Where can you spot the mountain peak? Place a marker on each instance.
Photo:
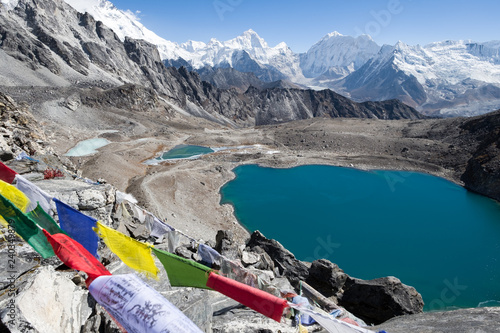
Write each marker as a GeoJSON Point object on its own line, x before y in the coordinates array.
{"type": "Point", "coordinates": [334, 34]}
{"type": "Point", "coordinates": [250, 32]}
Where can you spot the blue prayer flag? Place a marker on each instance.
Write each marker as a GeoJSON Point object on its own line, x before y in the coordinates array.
{"type": "Point", "coordinates": [78, 226]}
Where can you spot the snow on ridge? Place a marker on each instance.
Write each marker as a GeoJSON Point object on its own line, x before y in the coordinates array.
{"type": "Point", "coordinates": [338, 51]}
{"type": "Point", "coordinates": [10, 4]}
{"type": "Point", "coordinates": [125, 24]}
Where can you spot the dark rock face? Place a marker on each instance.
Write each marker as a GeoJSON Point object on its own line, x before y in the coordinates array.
{"type": "Point", "coordinates": [129, 96]}
{"type": "Point", "coordinates": [378, 300]}
{"type": "Point", "coordinates": [284, 261]}
{"type": "Point", "coordinates": [226, 78]}
{"type": "Point", "coordinates": [483, 169]}
{"type": "Point", "coordinates": [327, 278]}
{"type": "Point", "coordinates": [242, 62]}
{"type": "Point", "coordinates": [225, 244]}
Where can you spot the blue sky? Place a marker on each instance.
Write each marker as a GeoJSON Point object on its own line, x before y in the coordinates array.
{"type": "Point", "coordinates": [302, 23]}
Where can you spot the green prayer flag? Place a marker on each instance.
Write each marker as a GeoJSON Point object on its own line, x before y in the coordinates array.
{"type": "Point", "coordinates": [183, 272]}
{"type": "Point", "coordinates": [25, 227]}
{"type": "Point", "coordinates": [45, 220]}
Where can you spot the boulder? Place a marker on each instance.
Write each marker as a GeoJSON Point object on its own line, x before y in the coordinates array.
{"type": "Point", "coordinates": [225, 244]}
{"type": "Point", "coordinates": [265, 263]}
{"type": "Point", "coordinates": [249, 258]}
{"type": "Point", "coordinates": [47, 301]}
{"type": "Point", "coordinates": [327, 278]}
{"type": "Point", "coordinates": [378, 300]}
{"type": "Point", "coordinates": [285, 262]}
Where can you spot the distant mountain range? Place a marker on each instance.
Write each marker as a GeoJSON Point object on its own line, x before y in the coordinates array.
{"type": "Point", "coordinates": [445, 78]}
{"type": "Point", "coordinates": [48, 45]}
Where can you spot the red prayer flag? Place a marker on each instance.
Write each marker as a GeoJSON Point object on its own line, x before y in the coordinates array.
{"type": "Point", "coordinates": [7, 174]}
{"type": "Point", "coordinates": [74, 255]}
{"type": "Point", "coordinates": [256, 299]}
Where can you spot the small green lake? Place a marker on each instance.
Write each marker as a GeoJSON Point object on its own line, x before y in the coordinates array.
{"type": "Point", "coordinates": [427, 231]}
{"type": "Point", "coordinates": [181, 152]}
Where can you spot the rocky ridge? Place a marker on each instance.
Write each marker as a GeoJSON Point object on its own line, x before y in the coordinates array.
{"type": "Point", "coordinates": [73, 49]}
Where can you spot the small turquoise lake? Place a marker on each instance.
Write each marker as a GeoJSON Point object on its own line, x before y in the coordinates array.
{"type": "Point", "coordinates": [430, 233]}
{"type": "Point", "coordinates": [181, 152]}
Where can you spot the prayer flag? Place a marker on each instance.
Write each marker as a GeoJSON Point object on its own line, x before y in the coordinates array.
{"type": "Point", "coordinates": [157, 228]}
{"type": "Point", "coordinates": [25, 227]}
{"type": "Point", "coordinates": [138, 307]}
{"type": "Point", "coordinates": [44, 220]}
{"type": "Point", "coordinates": [11, 193]}
{"type": "Point", "coordinates": [258, 300]}
{"type": "Point", "coordinates": [7, 174]}
{"type": "Point", "coordinates": [133, 253]}
{"type": "Point", "coordinates": [34, 193]}
{"type": "Point", "coordinates": [74, 255]}
{"type": "Point", "coordinates": [183, 272]}
{"type": "Point", "coordinates": [209, 255]}
{"type": "Point", "coordinates": [329, 323]}
{"type": "Point", "coordinates": [78, 226]}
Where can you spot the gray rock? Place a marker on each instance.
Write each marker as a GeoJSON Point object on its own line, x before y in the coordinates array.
{"type": "Point", "coordinates": [244, 320]}
{"type": "Point", "coordinates": [284, 261]}
{"type": "Point", "coordinates": [378, 300]}
{"type": "Point", "coordinates": [49, 301]}
{"type": "Point", "coordinates": [265, 263]}
{"type": "Point", "coordinates": [477, 320]}
{"type": "Point", "coordinates": [196, 304]}
{"type": "Point", "coordinates": [225, 245]}
{"type": "Point", "coordinates": [327, 278]}
{"type": "Point", "coordinates": [248, 258]}
{"type": "Point", "coordinates": [93, 200]}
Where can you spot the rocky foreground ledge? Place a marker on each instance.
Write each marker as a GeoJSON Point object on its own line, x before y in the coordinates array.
{"type": "Point", "coordinates": [46, 296]}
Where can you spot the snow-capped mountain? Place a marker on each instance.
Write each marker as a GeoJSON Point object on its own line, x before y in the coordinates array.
{"type": "Point", "coordinates": [450, 76]}
{"type": "Point", "coordinates": [249, 47]}
{"type": "Point", "coordinates": [338, 55]}
{"type": "Point", "coordinates": [125, 24]}
{"type": "Point", "coordinates": [444, 78]}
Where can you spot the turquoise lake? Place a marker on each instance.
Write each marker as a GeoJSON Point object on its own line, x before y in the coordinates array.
{"type": "Point", "coordinates": [181, 152]}
{"type": "Point", "coordinates": [185, 151]}
{"type": "Point", "coordinates": [430, 233]}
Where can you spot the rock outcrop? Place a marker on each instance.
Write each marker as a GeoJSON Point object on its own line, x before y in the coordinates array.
{"type": "Point", "coordinates": [380, 299]}
{"type": "Point", "coordinates": [374, 301]}
{"type": "Point", "coordinates": [482, 174]}
{"type": "Point", "coordinates": [284, 261]}
{"type": "Point", "coordinates": [19, 130]}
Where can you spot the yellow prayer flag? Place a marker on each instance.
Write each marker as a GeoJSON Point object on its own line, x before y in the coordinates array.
{"type": "Point", "coordinates": [133, 253]}
{"type": "Point", "coordinates": [18, 198]}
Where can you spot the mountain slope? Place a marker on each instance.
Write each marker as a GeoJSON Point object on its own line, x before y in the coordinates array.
{"type": "Point", "coordinates": [59, 46]}
{"type": "Point", "coordinates": [445, 78]}
{"type": "Point", "coordinates": [439, 78]}
{"type": "Point", "coordinates": [337, 54]}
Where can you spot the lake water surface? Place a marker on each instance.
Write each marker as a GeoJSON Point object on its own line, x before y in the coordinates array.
{"type": "Point", "coordinates": [87, 147]}
{"type": "Point", "coordinates": [427, 231]}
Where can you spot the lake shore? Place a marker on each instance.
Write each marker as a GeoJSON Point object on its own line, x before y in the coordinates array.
{"type": "Point", "coordinates": [186, 192]}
